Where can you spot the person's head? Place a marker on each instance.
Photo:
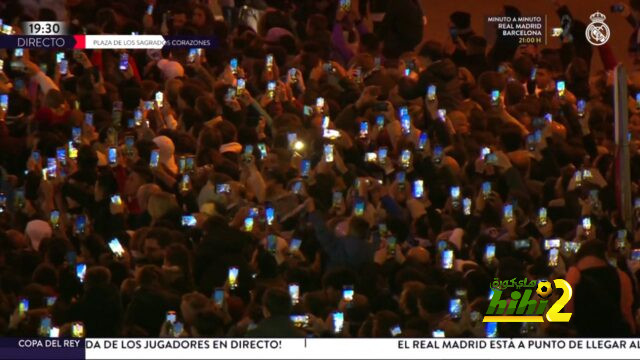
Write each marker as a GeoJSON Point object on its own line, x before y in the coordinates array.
{"type": "Point", "coordinates": [201, 16]}
{"type": "Point", "coordinates": [460, 122]}
{"type": "Point", "coordinates": [357, 311]}
{"type": "Point", "coordinates": [155, 243]}
{"type": "Point", "coordinates": [275, 179]}
{"type": "Point", "coordinates": [208, 323]}
{"type": "Point", "coordinates": [383, 323]}
{"type": "Point", "coordinates": [97, 276]}
{"type": "Point", "coordinates": [138, 177]}
{"type": "Point", "coordinates": [434, 301]}
{"type": "Point", "coordinates": [315, 302]}
{"type": "Point", "coordinates": [166, 149]}
{"type": "Point", "coordinates": [410, 297]}
{"type": "Point", "coordinates": [592, 248]}
{"type": "Point", "coordinates": [370, 44]}
{"type": "Point", "coordinates": [37, 231]}
{"type": "Point", "coordinates": [227, 130]}
{"type": "Point", "coordinates": [148, 276]}
{"type": "Point", "coordinates": [87, 158]}
{"type": "Point", "coordinates": [206, 106]}
{"type": "Point", "coordinates": [192, 305]}
{"type": "Point", "coordinates": [544, 75]}
{"type": "Point", "coordinates": [419, 255]}
{"type": "Point", "coordinates": [179, 18]}
{"type": "Point", "coordinates": [55, 101]}
{"type": "Point", "coordinates": [460, 20]}
{"type": "Point", "coordinates": [56, 250]}
{"type": "Point", "coordinates": [359, 228]}
{"type": "Point", "coordinates": [523, 65]}
{"type": "Point", "coordinates": [316, 24]}
{"type": "Point", "coordinates": [144, 192]}
{"type": "Point", "coordinates": [511, 139]}
{"type": "Point", "coordinates": [334, 281]}
{"type": "Point", "coordinates": [187, 96]}
{"type": "Point", "coordinates": [276, 302]}
{"type": "Point", "coordinates": [178, 255]}
{"type": "Point", "coordinates": [45, 275]}
{"type": "Point", "coordinates": [161, 204]}
{"type": "Point", "coordinates": [431, 51]}
{"type": "Point", "coordinates": [106, 185]}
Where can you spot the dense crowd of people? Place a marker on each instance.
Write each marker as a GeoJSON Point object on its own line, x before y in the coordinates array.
{"type": "Point", "coordinates": [327, 169]}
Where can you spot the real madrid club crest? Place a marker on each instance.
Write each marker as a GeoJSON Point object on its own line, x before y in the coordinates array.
{"type": "Point", "coordinates": [597, 32]}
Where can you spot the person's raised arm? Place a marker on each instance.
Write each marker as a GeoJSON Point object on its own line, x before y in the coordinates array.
{"type": "Point", "coordinates": [34, 71]}
{"type": "Point", "coordinates": [254, 179]}
{"type": "Point", "coordinates": [337, 37]}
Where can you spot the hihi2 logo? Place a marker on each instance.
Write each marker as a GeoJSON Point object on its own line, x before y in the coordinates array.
{"type": "Point", "coordinates": [522, 308]}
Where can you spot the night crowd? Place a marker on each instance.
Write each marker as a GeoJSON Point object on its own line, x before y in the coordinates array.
{"type": "Point", "coordinates": [327, 169]}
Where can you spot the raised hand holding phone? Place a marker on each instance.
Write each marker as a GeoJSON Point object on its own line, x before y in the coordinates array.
{"type": "Point", "coordinates": [368, 96]}
{"type": "Point", "coordinates": [116, 207]}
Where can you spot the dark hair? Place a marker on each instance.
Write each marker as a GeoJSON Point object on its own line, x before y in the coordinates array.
{"type": "Point", "coordinates": [45, 275]}
{"type": "Point", "coordinates": [143, 171]}
{"type": "Point", "coordinates": [359, 227]}
{"type": "Point", "coordinates": [107, 182]}
{"type": "Point", "coordinates": [144, 148]}
{"type": "Point", "coordinates": [511, 139]}
{"type": "Point", "coordinates": [148, 275]}
{"type": "Point", "coordinates": [370, 43]}
{"type": "Point", "coordinates": [277, 301]}
{"type": "Point", "coordinates": [545, 65]}
{"type": "Point", "coordinates": [209, 323]}
{"type": "Point", "coordinates": [206, 106]}
{"type": "Point", "coordinates": [227, 130]}
{"type": "Point", "coordinates": [97, 276]}
{"type": "Point", "coordinates": [267, 265]}
{"type": "Point", "coordinates": [288, 43]}
{"type": "Point", "coordinates": [592, 248]}
{"type": "Point", "coordinates": [337, 278]}
{"type": "Point", "coordinates": [434, 299]}
{"type": "Point", "coordinates": [178, 255]}
{"type": "Point", "coordinates": [87, 158]}
{"type": "Point", "coordinates": [432, 50]}
{"type": "Point", "coordinates": [189, 93]}
{"type": "Point", "coordinates": [161, 235]}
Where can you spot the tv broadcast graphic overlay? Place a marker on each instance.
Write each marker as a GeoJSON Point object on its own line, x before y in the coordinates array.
{"type": "Point", "coordinates": [523, 306]}
{"type": "Point", "coordinates": [524, 29]}
{"type": "Point", "coordinates": [334, 179]}
{"type": "Point", "coordinates": [42, 348]}
{"type": "Point", "coordinates": [416, 348]}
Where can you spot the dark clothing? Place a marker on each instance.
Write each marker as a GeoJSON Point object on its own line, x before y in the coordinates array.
{"type": "Point", "coordinates": [105, 223]}
{"type": "Point", "coordinates": [401, 29]}
{"type": "Point", "coordinates": [597, 304]}
{"type": "Point", "coordinates": [444, 75]}
{"type": "Point", "coordinates": [275, 326]}
{"type": "Point", "coordinates": [579, 47]}
{"type": "Point", "coordinates": [147, 310]}
{"type": "Point", "coordinates": [476, 64]}
{"type": "Point", "coordinates": [345, 251]}
{"type": "Point", "coordinates": [214, 256]}
{"type": "Point", "coordinates": [101, 311]}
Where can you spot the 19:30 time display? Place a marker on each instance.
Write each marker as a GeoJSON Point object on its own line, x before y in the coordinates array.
{"type": "Point", "coordinates": [44, 28]}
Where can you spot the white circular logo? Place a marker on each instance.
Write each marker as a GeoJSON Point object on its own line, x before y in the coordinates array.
{"type": "Point", "coordinates": [597, 32]}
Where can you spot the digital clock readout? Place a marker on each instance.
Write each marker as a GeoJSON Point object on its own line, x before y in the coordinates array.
{"type": "Point", "coordinates": [44, 28]}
